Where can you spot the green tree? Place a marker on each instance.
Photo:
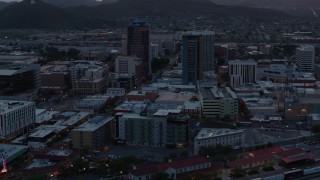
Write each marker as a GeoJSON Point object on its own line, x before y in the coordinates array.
{"type": "Point", "coordinates": [124, 164]}
{"type": "Point", "coordinates": [73, 54]}
{"type": "Point", "coordinates": [159, 63]}
{"type": "Point", "coordinates": [237, 173]}
{"type": "Point", "coordinates": [315, 128]}
{"type": "Point", "coordinates": [160, 176]}
{"type": "Point", "coordinates": [80, 164]}
{"type": "Point", "coordinates": [270, 144]}
{"type": "Point", "coordinates": [184, 154]}
{"type": "Point", "coordinates": [253, 170]}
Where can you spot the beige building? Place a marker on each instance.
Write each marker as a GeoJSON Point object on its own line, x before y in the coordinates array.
{"type": "Point", "coordinates": [93, 134]}
{"type": "Point", "coordinates": [86, 86]}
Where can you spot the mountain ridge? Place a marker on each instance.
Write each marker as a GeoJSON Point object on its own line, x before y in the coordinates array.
{"type": "Point", "coordinates": [43, 15]}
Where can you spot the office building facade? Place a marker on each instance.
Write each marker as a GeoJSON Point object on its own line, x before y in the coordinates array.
{"type": "Point", "coordinates": [93, 134]}
{"type": "Point", "coordinates": [305, 57]}
{"type": "Point", "coordinates": [242, 72]}
{"type": "Point", "coordinates": [19, 81]}
{"type": "Point", "coordinates": [128, 65]}
{"type": "Point", "coordinates": [218, 102]}
{"type": "Point", "coordinates": [138, 43]}
{"type": "Point", "coordinates": [198, 55]}
{"type": "Point", "coordinates": [16, 117]}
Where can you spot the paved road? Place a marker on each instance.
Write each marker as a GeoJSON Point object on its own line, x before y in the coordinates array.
{"type": "Point", "coordinates": [155, 154]}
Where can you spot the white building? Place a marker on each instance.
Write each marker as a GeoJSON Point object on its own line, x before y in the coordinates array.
{"type": "Point", "coordinates": [16, 117]}
{"type": "Point", "coordinates": [128, 65]}
{"type": "Point", "coordinates": [212, 137]}
{"type": "Point", "coordinates": [87, 69]}
{"type": "Point", "coordinates": [242, 72]}
{"type": "Point", "coordinates": [154, 51]}
{"type": "Point", "coordinates": [116, 92]}
{"type": "Point", "coordinates": [305, 58]}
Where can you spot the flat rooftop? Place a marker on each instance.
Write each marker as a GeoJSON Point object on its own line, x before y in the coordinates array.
{"type": "Point", "coordinates": [216, 132]}
{"type": "Point", "coordinates": [73, 119]}
{"type": "Point", "coordinates": [41, 133]}
{"type": "Point", "coordinates": [217, 93]}
{"type": "Point", "coordinates": [94, 124]}
{"type": "Point", "coordinates": [8, 106]}
{"type": "Point", "coordinates": [39, 163]}
{"type": "Point", "coordinates": [12, 151]}
{"type": "Point", "coordinates": [174, 97]}
{"type": "Point", "coordinates": [55, 128]}
{"type": "Point", "coordinates": [45, 116]}
{"type": "Point", "coordinates": [166, 112]}
{"type": "Point", "coordinates": [59, 152]}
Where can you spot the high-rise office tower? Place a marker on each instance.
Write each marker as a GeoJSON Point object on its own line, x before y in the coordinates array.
{"type": "Point", "coordinates": [305, 58]}
{"type": "Point", "coordinates": [198, 55]}
{"type": "Point", "coordinates": [138, 43]}
{"type": "Point", "coordinates": [242, 72]}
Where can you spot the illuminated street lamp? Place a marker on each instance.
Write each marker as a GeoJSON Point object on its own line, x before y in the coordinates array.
{"type": "Point", "coordinates": [4, 164]}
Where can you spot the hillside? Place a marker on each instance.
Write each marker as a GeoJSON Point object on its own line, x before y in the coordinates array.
{"type": "Point", "coordinates": [72, 3]}
{"type": "Point", "coordinates": [27, 14]}
{"type": "Point", "coordinates": [176, 8]}
{"type": "Point", "coordinates": [271, 3]}
{"type": "Point", "coordinates": [41, 15]}
{"type": "Point", "coordinates": [4, 5]}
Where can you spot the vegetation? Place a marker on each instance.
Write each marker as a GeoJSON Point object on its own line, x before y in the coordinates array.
{"type": "Point", "coordinates": [124, 164]}
{"type": "Point", "coordinates": [218, 153]}
{"type": "Point", "coordinates": [254, 170]}
{"type": "Point", "coordinates": [198, 175]}
{"type": "Point", "coordinates": [184, 154]}
{"type": "Point", "coordinates": [268, 166]}
{"type": "Point", "coordinates": [159, 63]}
{"type": "Point", "coordinates": [161, 176]}
{"type": "Point", "coordinates": [53, 54]}
{"type": "Point", "coordinates": [315, 128]}
{"type": "Point", "coordinates": [237, 173]}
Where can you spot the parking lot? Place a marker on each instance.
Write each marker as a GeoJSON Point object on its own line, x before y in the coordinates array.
{"type": "Point", "coordinates": [256, 136]}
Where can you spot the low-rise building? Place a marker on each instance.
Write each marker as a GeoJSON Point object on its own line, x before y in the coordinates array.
{"type": "Point", "coordinates": [55, 77]}
{"type": "Point", "coordinates": [173, 168]}
{"type": "Point", "coordinates": [92, 104]}
{"type": "Point", "coordinates": [9, 152]}
{"type": "Point", "coordinates": [218, 102]}
{"type": "Point", "coordinates": [93, 134]}
{"type": "Point", "coordinates": [251, 161]}
{"type": "Point", "coordinates": [116, 92]}
{"type": "Point", "coordinates": [212, 137]}
{"type": "Point", "coordinates": [40, 138]}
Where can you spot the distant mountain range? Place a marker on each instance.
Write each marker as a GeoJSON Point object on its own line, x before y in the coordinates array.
{"type": "Point", "coordinates": [4, 5]}
{"type": "Point", "coordinates": [299, 8]}
{"type": "Point", "coordinates": [39, 14]}
{"type": "Point", "coordinates": [72, 3]}
{"type": "Point", "coordinates": [271, 3]}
